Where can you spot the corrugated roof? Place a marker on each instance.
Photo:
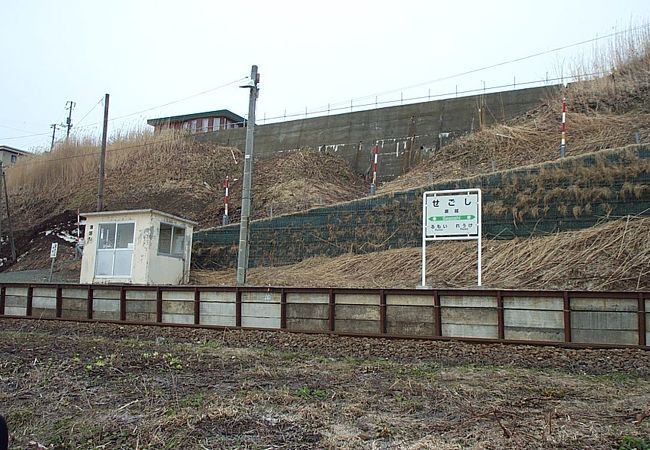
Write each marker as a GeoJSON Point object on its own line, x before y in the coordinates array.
{"type": "Point", "coordinates": [202, 115]}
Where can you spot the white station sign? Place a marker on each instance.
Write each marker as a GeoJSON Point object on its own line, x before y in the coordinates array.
{"type": "Point", "coordinates": [451, 215]}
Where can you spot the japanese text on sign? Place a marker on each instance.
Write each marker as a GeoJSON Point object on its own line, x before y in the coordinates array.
{"type": "Point", "coordinates": [452, 215]}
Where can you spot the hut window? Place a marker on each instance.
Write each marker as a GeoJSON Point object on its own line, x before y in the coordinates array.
{"type": "Point", "coordinates": [171, 240]}
{"type": "Point", "coordinates": [115, 249]}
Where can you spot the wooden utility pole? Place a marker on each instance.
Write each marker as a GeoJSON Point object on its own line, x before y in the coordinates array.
{"type": "Point", "coordinates": [102, 159]}
{"type": "Point", "coordinates": [53, 126]}
{"type": "Point", "coordinates": [69, 105]}
{"type": "Point", "coordinates": [244, 233]}
{"type": "Point", "coordinates": [11, 229]}
{"type": "Point", "coordinates": [1, 183]}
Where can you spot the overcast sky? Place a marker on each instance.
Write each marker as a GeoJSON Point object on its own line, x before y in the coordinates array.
{"type": "Point", "coordinates": [148, 53]}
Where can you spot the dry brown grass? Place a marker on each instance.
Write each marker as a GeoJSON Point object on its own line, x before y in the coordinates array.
{"type": "Point", "coordinates": [142, 171]}
{"type": "Point", "coordinates": [78, 159]}
{"type": "Point", "coordinates": [611, 256]}
{"type": "Point", "coordinates": [603, 112]}
{"type": "Point", "coordinates": [626, 61]}
{"type": "Point", "coordinates": [175, 174]}
{"type": "Point", "coordinates": [530, 140]}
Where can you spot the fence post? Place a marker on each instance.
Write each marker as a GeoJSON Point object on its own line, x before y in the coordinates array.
{"type": "Point", "coordinates": [59, 301]}
{"type": "Point", "coordinates": [197, 306]}
{"type": "Point", "coordinates": [642, 327]}
{"type": "Point", "coordinates": [331, 313]}
{"type": "Point", "coordinates": [567, 316]}
{"type": "Point", "coordinates": [159, 305]}
{"type": "Point", "coordinates": [30, 301]}
{"type": "Point", "coordinates": [437, 314]}
{"type": "Point", "coordinates": [3, 297]}
{"type": "Point", "coordinates": [283, 309]}
{"type": "Point", "coordinates": [238, 307]}
{"type": "Point", "coordinates": [122, 304]}
{"type": "Point", "coordinates": [500, 317]}
{"type": "Point", "coordinates": [382, 312]}
{"type": "Point", "coordinates": [89, 304]}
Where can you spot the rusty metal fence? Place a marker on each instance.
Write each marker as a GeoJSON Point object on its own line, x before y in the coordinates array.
{"type": "Point", "coordinates": [566, 318]}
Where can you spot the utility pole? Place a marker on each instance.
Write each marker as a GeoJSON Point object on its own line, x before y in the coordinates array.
{"type": "Point", "coordinates": [102, 159]}
{"type": "Point", "coordinates": [53, 126]}
{"type": "Point", "coordinates": [1, 183]}
{"type": "Point", "coordinates": [244, 232]}
{"type": "Point", "coordinates": [11, 229]}
{"type": "Point", "coordinates": [69, 105]}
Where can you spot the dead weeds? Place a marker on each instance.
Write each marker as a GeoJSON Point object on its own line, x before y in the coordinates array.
{"type": "Point", "coordinates": [611, 256]}
{"type": "Point", "coordinates": [67, 385]}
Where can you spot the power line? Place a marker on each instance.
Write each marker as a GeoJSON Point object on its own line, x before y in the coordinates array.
{"type": "Point", "coordinates": [12, 128]}
{"type": "Point", "coordinates": [315, 113]}
{"type": "Point", "coordinates": [503, 63]}
{"type": "Point", "coordinates": [179, 100]}
{"type": "Point", "coordinates": [134, 113]}
{"type": "Point", "coordinates": [91, 110]}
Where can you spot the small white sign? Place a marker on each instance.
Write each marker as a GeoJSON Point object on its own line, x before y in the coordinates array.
{"type": "Point", "coordinates": [54, 250]}
{"type": "Point", "coordinates": [450, 215]}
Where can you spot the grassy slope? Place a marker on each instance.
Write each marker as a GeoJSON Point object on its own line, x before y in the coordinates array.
{"type": "Point", "coordinates": [176, 175]}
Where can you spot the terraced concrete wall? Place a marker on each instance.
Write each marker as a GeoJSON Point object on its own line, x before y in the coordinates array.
{"type": "Point", "coordinates": [400, 131]}
{"type": "Point", "coordinates": [568, 194]}
{"type": "Point", "coordinates": [594, 318]}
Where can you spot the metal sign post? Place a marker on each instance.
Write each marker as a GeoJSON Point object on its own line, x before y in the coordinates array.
{"type": "Point", "coordinates": [53, 251]}
{"type": "Point", "coordinates": [449, 216]}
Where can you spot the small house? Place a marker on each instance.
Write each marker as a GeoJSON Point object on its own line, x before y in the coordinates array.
{"type": "Point", "coordinates": [9, 155]}
{"type": "Point", "coordinates": [142, 246]}
{"type": "Point", "coordinates": [199, 122]}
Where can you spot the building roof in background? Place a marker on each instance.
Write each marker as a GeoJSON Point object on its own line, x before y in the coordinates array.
{"type": "Point", "coordinates": [14, 150]}
{"type": "Point", "coordinates": [218, 113]}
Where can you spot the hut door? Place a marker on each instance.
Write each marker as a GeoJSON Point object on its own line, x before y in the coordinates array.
{"type": "Point", "coordinates": [115, 249]}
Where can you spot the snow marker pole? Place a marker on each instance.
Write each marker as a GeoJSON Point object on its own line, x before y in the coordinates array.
{"type": "Point", "coordinates": [226, 186]}
{"type": "Point", "coordinates": [563, 129]}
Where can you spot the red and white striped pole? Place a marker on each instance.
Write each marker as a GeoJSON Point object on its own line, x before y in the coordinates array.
{"type": "Point", "coordinates": [375, 160]}
{"type": "Point", "coordinates": [226, 200]}
{"type": "Point", "coordinates": [563, 129]}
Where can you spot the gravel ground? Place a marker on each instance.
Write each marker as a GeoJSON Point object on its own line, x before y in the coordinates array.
{"type": "Point", "coordinates": [581, 361]}
{"type": "Point", "coordinates": [79, 385]}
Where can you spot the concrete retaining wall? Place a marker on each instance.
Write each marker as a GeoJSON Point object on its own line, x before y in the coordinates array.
{"type": "Point", "coordinates": [400, 131]}
{"type": "Point", "coordinates": [598, 318]}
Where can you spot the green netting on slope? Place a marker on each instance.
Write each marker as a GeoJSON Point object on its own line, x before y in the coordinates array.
{"type": "Point", "coordinates": [563, 195]}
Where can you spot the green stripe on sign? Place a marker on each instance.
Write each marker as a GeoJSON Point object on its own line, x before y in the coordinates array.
{"type": "Point", "coordinates": [448, 218]}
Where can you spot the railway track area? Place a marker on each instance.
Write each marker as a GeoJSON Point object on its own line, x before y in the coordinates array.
{"type": "Point", "coordinates": [98, 385]}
